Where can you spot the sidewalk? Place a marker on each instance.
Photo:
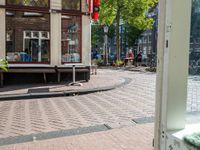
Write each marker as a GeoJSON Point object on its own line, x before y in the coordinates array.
{"type": "Point", "coordinates": [99, 82]}
{"type": "Point", "coordinates": [138, 137]}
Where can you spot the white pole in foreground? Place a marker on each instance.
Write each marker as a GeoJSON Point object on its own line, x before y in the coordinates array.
{"type": "Point", "coordinates": [74, 83]}
{"type": "Point", "coordinates": [173, 57]}
{"type": "Point", "coordinates": [74, 74]}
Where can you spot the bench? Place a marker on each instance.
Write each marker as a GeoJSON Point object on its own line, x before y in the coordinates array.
{"type": "Point", "coordinates": [44, 70]}
{"type": "Point", "coordinates": [27, 70]}
{"type": "Point", "coordinates": [84, 70]}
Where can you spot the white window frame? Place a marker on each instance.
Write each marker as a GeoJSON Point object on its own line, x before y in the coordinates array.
{"type": "Point", "coordinates": [39, 38]}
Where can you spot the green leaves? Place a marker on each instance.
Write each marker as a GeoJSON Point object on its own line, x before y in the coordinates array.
{"type": "Point", "coordinates": [107, 12]}
{"type": "Point", "coordinates": [133, 12]}
{"type": "Point", "coordinates": [3, 64]}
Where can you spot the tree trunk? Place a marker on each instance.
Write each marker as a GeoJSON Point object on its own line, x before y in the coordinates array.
{"type": "Point", "coordinates": [117, 33]}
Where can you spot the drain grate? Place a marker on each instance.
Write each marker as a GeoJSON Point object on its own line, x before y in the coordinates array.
{"type": "Point", "coordinates": [38, 90]}
{"type": "Point", "coordinates": [143, 120]}
{"type": "Point", "coordinates": [51, 135]}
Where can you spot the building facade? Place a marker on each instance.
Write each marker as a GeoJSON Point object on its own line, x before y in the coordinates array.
{"type": "Point", "coordinates": [147, 42]}
{"type": "Point", "coordinates": [45, 33]}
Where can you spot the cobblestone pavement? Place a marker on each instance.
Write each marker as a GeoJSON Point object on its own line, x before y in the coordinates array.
{"type": "Point", "coordinates": [134, 100]}
{"type": "Point", "coordinates": [116, 108]}
{"type": "Point", "coordinates": [138, 137]}
{"type": "Point", "coordinates": [193, 104]}
{"type": "Point", "coordinates": [97, 81]}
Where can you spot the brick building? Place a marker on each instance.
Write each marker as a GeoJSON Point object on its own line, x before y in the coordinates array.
{"type": "Point", "coordinates": [147, 42]}
{"type": "Point", "coordinates": [43, 36]}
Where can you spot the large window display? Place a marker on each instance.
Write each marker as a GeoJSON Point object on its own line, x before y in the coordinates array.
{"type": "Point", "coordinates": [33, 3]}
{"type": "Point", "coordinates": [71, 4]}
{"type": "Point", "coordinates": [71, 39]}
{"type": "Point", "coordinates": [194, 61]}
{"type": "Point", "coordinates": [27, 37]}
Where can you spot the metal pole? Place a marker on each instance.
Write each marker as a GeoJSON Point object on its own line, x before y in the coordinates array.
{"type": "Point", "coordinates": [106, 45]}
{"type": "Point", "coordinates": [74, 83]}
{"type": "Point", "coordinates": [106, 49]}
{"type": "Point", "coordinates": [74, 74]}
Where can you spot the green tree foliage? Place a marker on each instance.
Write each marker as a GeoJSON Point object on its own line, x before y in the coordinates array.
{"type": "Point", "coordinates": [98, 33]}
{"type": "Point", "coordinates": [132, 33]}
{"type": "Point", "coordinates": [3, 64]}
{"type": "Point", "coordinates": [133, 12]}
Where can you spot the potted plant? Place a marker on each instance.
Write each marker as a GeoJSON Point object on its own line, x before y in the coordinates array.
{"type": "Point", "coordinates": [3, 65]}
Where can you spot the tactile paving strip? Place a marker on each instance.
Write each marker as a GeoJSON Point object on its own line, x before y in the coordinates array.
{"type": "Point", "coordinates": [143, 120]}
{"type": "Point", "coordinates": [51, 135]}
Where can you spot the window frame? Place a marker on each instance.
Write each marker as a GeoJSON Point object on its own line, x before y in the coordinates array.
{"type": "Point", "coordinates": [36, 11]}
{"type": "Point", "coordinates": [31, 8]}
{"type": "Point", "coordinates": [77, 15]}
{"type": "Point", "coordinates": [72, 10]}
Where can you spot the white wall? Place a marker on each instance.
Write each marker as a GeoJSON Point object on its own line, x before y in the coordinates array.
{"type": "Point", "coordinates": [56, 33]}
{"type": "Point", "coordinates": [56, 4]}
{"type": "Point", "coordinates": [172, 68]}
{"type": "Point", "coordinates": [86, 37]}
{"type": "Point", "coordinates": [83, 6]}
{"type": "Point", "coordinates": [159, 76]}
{"type": "Point", "coordinates": [176, 58]}
{"type": "Point", "coordinates": [55, 39]}
{"type": "Point", "coordinates": [86, 41]}
{"type": "Point", "coordinates": [2, 2]}
{"type": "Point", "coordinates": [2, 33]}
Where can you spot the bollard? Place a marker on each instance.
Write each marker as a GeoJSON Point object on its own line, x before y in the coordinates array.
{"type": "Point", "coordinates": [74, 83]}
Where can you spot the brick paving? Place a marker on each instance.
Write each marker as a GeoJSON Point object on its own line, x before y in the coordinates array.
{"type": "Point", "coordinates": [132, 101]}
{"type": "Point", "coordinates": [193, 94]}
{"type": "Point", "coordinates": [138, 137]}
{"type": "Point", "coordinates": [116, 108]}
{"type": "Point", "coordinates": [97, 81]}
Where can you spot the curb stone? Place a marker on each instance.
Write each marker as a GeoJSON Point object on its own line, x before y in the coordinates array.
{"type": "Point", "coordinates": [62, 94]}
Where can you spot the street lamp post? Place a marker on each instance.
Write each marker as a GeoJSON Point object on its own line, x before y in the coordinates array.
{"type": "Point", "coordinates": [106, 45]}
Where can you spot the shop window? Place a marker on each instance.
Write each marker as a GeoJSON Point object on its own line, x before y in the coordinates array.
{"type": "Point", "coordinates": [33, 3]}
{"type": "Point", "coordinates": [194, 65]}
{"type": "Point", "coordinates": [71, 39]}
{"type": "Point", "coordinates": [71, 4]}
{"type": "Point", "coordinates": [27, 37]}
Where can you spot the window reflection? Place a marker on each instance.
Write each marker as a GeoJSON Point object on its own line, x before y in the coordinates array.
{"type": "Point", "coordinates": [27, 37]}
{"type": "Point", "coordinates": [71, 4]}
{"type": "Point", "coordinates": [71, 35]}
{"type": "Point", "coordinates": [193, 100]}
{"type": "Point", "coordinates": [34, 3]}
{"type": "Point", "coordinates": [194, 62]}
